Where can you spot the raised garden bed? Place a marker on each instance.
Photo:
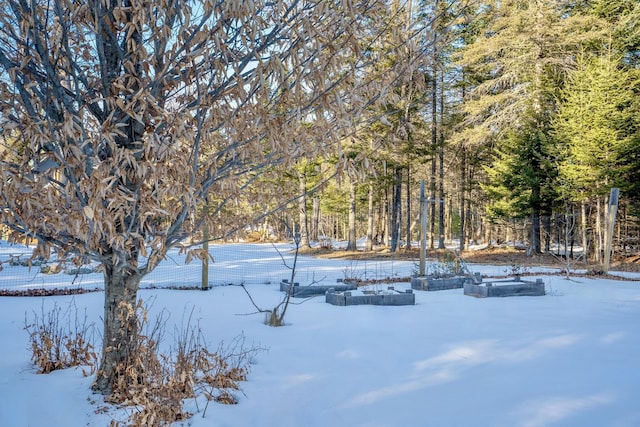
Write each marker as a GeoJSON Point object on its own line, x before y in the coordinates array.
{"type": "Point", "coordinates": [311, 290]}
{"type": "Point", "coordinates": [505, 288]}
{"type": "Point", "coordinates": [428, 283]}
{"type": "Point", "coordinates": [388, 297]}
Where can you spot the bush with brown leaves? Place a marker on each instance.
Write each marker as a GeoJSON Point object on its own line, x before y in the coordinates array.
{"type": "Point", "coordinates": [61, 339]}
{"type": "Point", "coordinates": [155, 384]}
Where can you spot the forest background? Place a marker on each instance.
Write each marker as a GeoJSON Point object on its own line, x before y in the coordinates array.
{"type": "Point", "coordinates": [520, 118]}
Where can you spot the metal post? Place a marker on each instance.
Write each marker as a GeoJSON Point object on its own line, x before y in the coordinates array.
{"type": "Point", "coordinates": [205, 248]}
{"type": "Point", "coordinates": [611, 220]}
{"type": "Point", "coordinates": [423, 229]}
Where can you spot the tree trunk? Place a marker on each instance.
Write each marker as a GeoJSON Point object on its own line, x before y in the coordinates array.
{"type": "Point", "coordinates": [120, 338]}
{"type": "Point", "coordinates": [408, 211]}
{"type": "Point", "coordinates": [574, 226]}
{"type": "Point", "coordinates": [547, 233]}
{"type": "Point", "coordinates": [302, 211]}
{"type": "Point", "coordinates": [449, 221]}
{"type": "Point", "coordinates": [441, 204]}
{"type": "Point", "coordinates": [465, 231]}
{"type": "Point", "coordinates": [388, 217]}
{"type": "Point", "coordinates": [380, 221]}
{"type": "Point", "coordinates": [315, 219]}
{"type": "Point", "coordinates": [441, 215]}
{"type": "Point", "coordinates": [434, 126]}
{"type": "Point", "coordinates": [534, 244]}
{"type": "Point", "coordinates": [535, 200]}
{"type": "Point", "coordinates": [369, 244]}
{"type": "Point", "coordinates": [463, 186]}
{"type": "Point", "coordinates": [598, 236]}
{"type": "Point", "coordinates": [585, 238]}
{"type": "Point", "coordinates": [488, 236]}
{"type": "Point", "coordinates": [432, 204]}
{"type": "Point", "coordinates": [351, 239]}
{"type": "Point", "coordinates": [395, 211]}
{"type": "Point", "coordinates": [559, 225]}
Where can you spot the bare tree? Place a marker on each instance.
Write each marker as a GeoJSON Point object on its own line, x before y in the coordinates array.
{"type": "Point", "coordinates": [275, 316]}
{"type": "Point", "coordinates": [126, 114]}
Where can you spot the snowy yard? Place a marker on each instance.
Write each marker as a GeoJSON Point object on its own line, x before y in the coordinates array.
{"type": "Point", "coordinates": [569, 358]}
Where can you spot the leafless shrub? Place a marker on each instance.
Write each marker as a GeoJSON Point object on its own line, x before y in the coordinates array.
{"type": "Point", "coordinates": [223, 370]}
{"type": "Point", "coordinates": [352, 273]}
{"type": "Point", "coordinates": [325, 243]}
{"type": "Point", "coordinates": [448, 264]}
{"type": "Point", "coordinates": [275, 316]}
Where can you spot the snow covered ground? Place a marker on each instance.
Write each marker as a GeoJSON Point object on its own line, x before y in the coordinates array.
{"type": "Point", "coordinates": [569, 358]}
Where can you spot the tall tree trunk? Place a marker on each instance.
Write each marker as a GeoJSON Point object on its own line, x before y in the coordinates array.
{"type": "Point", "coordinates": [572, 236]}
{"type": "Point", "coordinates": [535, 201]}
{"type": "Point", "coordinates": [449, 221]}
{"type": "Point", "coordinates": [463, 183]}
{"type": "Point", "coordinates": [585, 238]}
{"type": "Point", "coordinates": [351, 239]}
{"type": "Point", "coordinates": [120, 339]}
{"type": "Point", "coordinates": [441, 213]}
{"type": "Point", "coordinates": [547, 233]}
{"type": "Point", "coordinates": [599, 237]}
{"type": "Point", "coordinates": [487, 232]}
{"type": "Point", "coordinates": [315, 218]}
{"type": "Point", "coordinates": [559, 223]}
{"type": "Point", "coordinates": [432, 199]}
{"type": "Point", "coordinates": [463, 187]}
{"type": "Point", "coordinates": [441, 204]}
{"type": "Point", "coordinates": [468, 223]}
{"type": "Point", "coordinates": [478, 224]}
{"type": "Point", "coordinates": [408, 88]}
{"type": "Point", "coordinates": [369, 244]}
{"type": "Point", "coordinates": [396, 210]}
{"type": "Point", "coordinates": [388, 216]}
{"type": "Point", "coordinates": [408, 211]}
{"type": "Point", "coordinates": [434, 125]}
{"type": "Point", "coordinates": [302, 211]}
{"type": "Point", "coordinates": [534, 244]}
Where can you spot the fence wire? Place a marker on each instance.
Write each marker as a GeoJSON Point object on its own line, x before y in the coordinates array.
{"type": "Point", "coordinates": [234, 264]}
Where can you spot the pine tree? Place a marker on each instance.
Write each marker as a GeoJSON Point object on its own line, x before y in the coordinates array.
{"type": "Point", "coordinates": [593, 125]}
{"type": "Point", "coordinates": [624, 16]}
{"type": "Point", "coordinates": [522, 57]}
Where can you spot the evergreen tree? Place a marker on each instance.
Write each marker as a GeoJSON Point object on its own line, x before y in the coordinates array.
{"type": "Point", "coordinates": [624, 41]}
{"type": "Point", "coordinates": [522, 57]}
{"type": "Point", "coordinates": [624, 16]}
{"type": "Point", "coordinates": [598, 125]}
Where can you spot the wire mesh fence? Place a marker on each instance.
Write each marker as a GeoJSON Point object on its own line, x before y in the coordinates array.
{"type": "Point", "coordinates": [233, 264]}
{"type": "Point", "coordinates": [19, 272]}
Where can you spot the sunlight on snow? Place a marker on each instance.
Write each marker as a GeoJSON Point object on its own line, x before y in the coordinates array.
{"type": "Point", "coordinates": [292, 381]}
{"type": "Point", "coordinates": [449, 365]}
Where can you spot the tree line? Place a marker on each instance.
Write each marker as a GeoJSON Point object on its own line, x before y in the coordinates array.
{"type": "Point", "coordinates": [520, 116]}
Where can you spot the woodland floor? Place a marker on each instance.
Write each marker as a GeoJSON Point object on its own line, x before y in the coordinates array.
{"type": "Point", "coordinates": [491, 255]}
